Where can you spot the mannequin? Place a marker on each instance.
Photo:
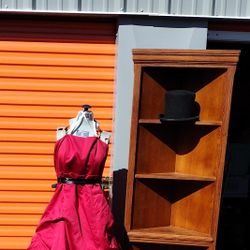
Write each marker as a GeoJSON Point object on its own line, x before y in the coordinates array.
{"type": "Point", "coordinates": [84, 125]}
{"type": "Point", "coordinates": [78, 216]}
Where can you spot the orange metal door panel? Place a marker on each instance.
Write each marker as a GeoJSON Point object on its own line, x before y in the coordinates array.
{"type": "Point", "coordinates": [17, 243]}
{"type": "Point", "coordinates": [24, 196]}
{"type": "Point", "coordinates": [46, 111]}
{"type": "Point", "coordinates": [22, 208]}
{"type": "Point", "coordinates": [57, 47]}
{"type": "Point", "coordinates": [56, 72]}
{"type": "Point", "coordinates": [27, 135]}
{"type": "Point", "coordinates": [59, 85]}
{"type": "Point", "coordinates": [16, 230]}
{"type": "Point", "coordinates": [26, 185]}
{"type": "Point", "coordinates": [57, 59]}
{"type": "Point", "coordinates": [26, 147]}
{"type": "Point", "coordinates": [60, 99]}
{"type": "Point", "coordinates": [27, 173]}
{"type": "Point", "coordinates": [40, 123]}
{"type": "Point", "coordinates": [31, 160]}
{"type": "Point", "coordinates": [48, 69]}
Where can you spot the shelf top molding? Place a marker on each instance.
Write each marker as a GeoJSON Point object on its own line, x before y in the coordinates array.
{"type": "Point", "coordinates": [218, 58]}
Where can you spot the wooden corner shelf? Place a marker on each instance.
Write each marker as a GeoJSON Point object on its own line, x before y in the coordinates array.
{"type": "Point", "coordinates": [175, 176]}
{"type": "Point", "coordinates": [175, 170]}
{"type": "Point", "coordinates": [170, 235]}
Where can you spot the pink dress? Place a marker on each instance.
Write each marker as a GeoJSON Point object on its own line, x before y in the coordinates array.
{"type": "Point", "coordinates": [78, 217]}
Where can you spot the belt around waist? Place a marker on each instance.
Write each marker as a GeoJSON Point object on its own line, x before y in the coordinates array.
{"type": "Point", "coordinates": [78, 181]}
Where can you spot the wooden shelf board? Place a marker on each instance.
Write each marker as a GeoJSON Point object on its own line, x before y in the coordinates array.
{"type": "Point", "coordinates": [201, 123]}
{"type": "Point", "coordinates": [175, 176]}
{"type": "Point", "coordinates": [170, 235]}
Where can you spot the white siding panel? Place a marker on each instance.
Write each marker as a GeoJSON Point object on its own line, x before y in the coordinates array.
{"type": "Point", "coordinates": [24, 4]}
{"type": "Point", "coordinates": [115, 5]}
{"type": "Point", "coordinates": [191, 7]}
{"type": "Point", "coordinates": [16, 4]}
{"type": "Point", "coordinates": [131, 6]}
{"type": "Point", "coordinates": [9, 4]}
{"type": "Point", "coordinates": [86, 5]}
{"type": "Point", "coordinates": [100, 5]}
{"type": "Point", "coordinates": [187, 7]}
{"type": "Point", "coordinates": [204, 7]}
{"type": "Point", "coordinates": [145, 6]}
{"type": "Point", "coordinates": [41, 5]}
{"type": "Point", "coordinates": [227, 7]}
{"type": "Point", "coordinates": [161, 6]}
{"type": "Point", "coordinates": [55, 5]}
{"type": "Point", "coordinates": [71, 5]}
{"type": "Point", "coordinates": [210, 8]}
{"type": "Point", "coordinates": [245, 8]}
{"type": "Point", "coordinates": [235, 8]}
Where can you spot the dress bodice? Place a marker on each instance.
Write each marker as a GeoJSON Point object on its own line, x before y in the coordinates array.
{"type": "Point", "coordinates": [80, 157]}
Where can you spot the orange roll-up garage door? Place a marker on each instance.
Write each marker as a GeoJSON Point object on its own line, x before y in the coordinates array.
{"type": "Point", "coordinates": [48, 69]}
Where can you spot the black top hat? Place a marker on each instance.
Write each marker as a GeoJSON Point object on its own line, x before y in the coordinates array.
{"type": "Point", "coordinates": [180, 106]}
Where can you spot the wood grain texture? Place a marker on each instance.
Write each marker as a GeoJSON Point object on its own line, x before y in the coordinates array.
{"type": "Point", "coordinates": [132, 151]}
{"type": "Point", "coordinates": [157, 121]}
{"type": "Point", "coordinates": [175, 176]}
{"type": "Point", "coordinates": [173, 235]}
{"type": "Point", "coordinates": [186, 58]}
{"type": "Point", "coordinates": [176, 170]}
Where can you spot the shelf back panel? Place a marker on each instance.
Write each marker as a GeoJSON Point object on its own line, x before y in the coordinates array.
{"type": "Point", "coordinates": [153, 153]}
{"type": "Point", "coordinates": [185, 149]}
{"type": "Point", "coordinates": [173, 203]}
{"type": "Point", "coordinates": [157, 81]}
{"type": "Point", "coordinates": [152, 97]}
{"type": "Point", "coordinates": [199, 151]}
{"type": "Point", "coordinates": [194, 211]}
{"type": "Point", "coordinates": [151, 206]}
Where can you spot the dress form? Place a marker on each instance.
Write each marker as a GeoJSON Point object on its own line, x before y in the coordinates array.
{"type": "Point", "coordinates": [78, 216]}
{"type": "Point", "coordinates": [84, 125]}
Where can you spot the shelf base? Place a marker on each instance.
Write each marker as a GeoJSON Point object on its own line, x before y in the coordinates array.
{"type": "Point", "coordinates": [170, 235]}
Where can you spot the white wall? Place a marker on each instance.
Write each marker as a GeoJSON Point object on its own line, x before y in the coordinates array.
{"type": "Point", "coordinates": [144, 33]}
